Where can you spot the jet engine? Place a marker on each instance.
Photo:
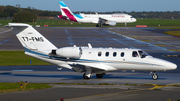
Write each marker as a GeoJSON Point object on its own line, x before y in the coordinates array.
{"type": "Point", "coordinates": [111, 23]}
{"type": "Point", "coordinates": [68, 52]}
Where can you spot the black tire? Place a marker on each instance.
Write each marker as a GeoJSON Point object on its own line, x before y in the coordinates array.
{"type": "Point", "coordinates": [155, 76]}
{"type": "Point", "coordinates": [99, 75]}
{"type": "Point", "coordinates": [85, 77]}
{"type": "Point", "coordinates": [97, 25]}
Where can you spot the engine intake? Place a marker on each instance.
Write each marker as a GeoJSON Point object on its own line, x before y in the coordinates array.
{"type": "Point", "coordinates": [68, 52]}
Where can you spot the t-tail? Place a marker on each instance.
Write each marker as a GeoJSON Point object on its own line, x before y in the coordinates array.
{"type": "Point", "coordinates": [67, 14]}
{"type": "Point", "coordinates": [35, 44]}
{"type": "Point", "coordinates": [30, 38]}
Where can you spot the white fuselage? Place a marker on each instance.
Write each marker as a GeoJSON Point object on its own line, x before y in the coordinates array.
{"type": "Point", "coordinates": [118, 18]}
{"type": "Point", "coordinates": [111, 60]}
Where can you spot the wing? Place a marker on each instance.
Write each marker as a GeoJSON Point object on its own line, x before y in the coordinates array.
{"type": "Point", "coordinates": [106, 22]}
{"type": "Point", "coordinates": [102, 20]}
{"type": "Point", "coordinates": [96, 68]}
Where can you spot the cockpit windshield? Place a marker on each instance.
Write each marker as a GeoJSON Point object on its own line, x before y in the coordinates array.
{"type": "Point", "coordinates": [143, 54]}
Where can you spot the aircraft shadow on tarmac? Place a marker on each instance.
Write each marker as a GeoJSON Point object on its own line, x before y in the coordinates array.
{"type": "Point", "coordinates": [78, 77]}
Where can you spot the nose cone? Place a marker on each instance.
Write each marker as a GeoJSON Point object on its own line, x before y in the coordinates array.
{"type": "Point", "coordinates": [171, 66]}
{"type": "Point", "coordinates": [133, 20]}
{"type": "Point", "coordinates": [165, 65]}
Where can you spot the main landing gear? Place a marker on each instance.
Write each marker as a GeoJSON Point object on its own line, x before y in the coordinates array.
{"type": "Point", "coordinates": [101, 25]}
{"type": "Point", "coordinates": [100, 75]}
{"type": "Point", "coordinates": [85, 76]}
{"type": "Point", "coordinates": [155, 76]}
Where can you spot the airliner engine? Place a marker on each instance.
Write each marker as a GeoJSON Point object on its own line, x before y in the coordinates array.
{"type": "Point", "coordinates": [69, 52]}
{"type": "Point", "coordinates": [111, 23]}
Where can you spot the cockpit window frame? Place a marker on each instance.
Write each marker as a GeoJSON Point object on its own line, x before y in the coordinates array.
{"type": "Point", "coordinates": [143, 54]}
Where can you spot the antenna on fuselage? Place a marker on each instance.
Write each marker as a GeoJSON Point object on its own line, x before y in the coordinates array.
{"type": "Point", "coordinates": [89, 45]}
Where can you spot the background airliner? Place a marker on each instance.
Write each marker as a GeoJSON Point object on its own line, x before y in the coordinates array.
{"type": "Point", "coordinates": [88, 60]}
{"type": "Point", "coordinates": [102, 19]}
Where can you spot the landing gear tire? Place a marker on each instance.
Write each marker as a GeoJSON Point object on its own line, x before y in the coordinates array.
{"type": "Point", "coordinates": [97, 25]}
{"type": "Point", "coordinates": [155, 76]}
{"type": "Point", "coordinates": [101, 25]}
{"type": "Point", "coordinates": [99, 75]}
{"type": "Point", "coordinates": [86, 77]}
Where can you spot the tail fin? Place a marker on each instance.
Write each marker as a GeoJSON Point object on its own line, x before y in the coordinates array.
{"type": "Point", "coordinates": [66, 11]}
{"type": "Point", "coordinates": [30, 38]}
{"type": "Point", "coordinates": [63, 5]}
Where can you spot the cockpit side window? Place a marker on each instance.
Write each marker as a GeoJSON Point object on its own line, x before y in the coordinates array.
{"type": "Point", "coordinates": [143, 54]}
{"type": "Point", "coordinates": [135, 54]}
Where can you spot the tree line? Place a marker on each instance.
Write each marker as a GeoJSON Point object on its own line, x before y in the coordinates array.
{"type": "Point", "coordinates": [11, 11]}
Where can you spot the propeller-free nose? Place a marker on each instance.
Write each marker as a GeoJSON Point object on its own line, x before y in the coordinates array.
{"type": "Point", "coordinates": [170, 66]}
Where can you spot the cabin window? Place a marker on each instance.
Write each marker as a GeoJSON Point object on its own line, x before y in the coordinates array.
{"type": "Point", "coordinates": [107, 54]}
{"type": "Point", "coordinates": [99, 53]}
{"type": "Point", "coordinates": [135, 54]}
{"type": "Point", "coordinates": [114, 54]}
{"type": "Point", "coordinates": [142, 54]}
{"type": "Point", "coordinates": [122, 54]}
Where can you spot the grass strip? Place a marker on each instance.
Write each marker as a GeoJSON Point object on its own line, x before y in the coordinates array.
{"type": "Point", "coordinates": [16, 87]}
{"type": "Point", "coordinates": [174, 33]}
{"type": "Point", "coordinates": [18, 58]}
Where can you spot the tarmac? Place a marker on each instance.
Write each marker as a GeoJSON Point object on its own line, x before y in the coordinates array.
{"type": "Point", "coordinates": [149, 39]}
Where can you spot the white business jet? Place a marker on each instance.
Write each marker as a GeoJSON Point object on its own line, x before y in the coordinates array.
{"type": "Point", "coordinates": [88, 60]}
{"type": "Point", "coordinates": [102, 19]}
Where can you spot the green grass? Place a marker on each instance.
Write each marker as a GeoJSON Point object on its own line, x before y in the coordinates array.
{"type": "Point", "coordinates": [174, 33]}
{"type": "Point", "coordinates": [15, 87]}
{"type": "Point", "coordinates": [18, 58]}
{"type": "Point", "coordinates": [65, 23]}
{"type": "Point", "coordinates": [156, 22]}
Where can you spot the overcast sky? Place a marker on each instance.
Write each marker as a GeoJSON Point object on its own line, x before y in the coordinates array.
{"type": "Point", "coordinates": [99, 5]}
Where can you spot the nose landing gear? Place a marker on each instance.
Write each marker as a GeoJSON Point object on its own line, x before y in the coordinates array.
{"type": "Point", "coordinates": [155, 76]}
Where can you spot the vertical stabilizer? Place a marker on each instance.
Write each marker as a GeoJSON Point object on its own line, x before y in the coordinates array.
{"type": "Point", "coordinates": [30, 38]}
{"type": "Point", "coordinates": [63, 5]}
{"type": "Point", "coordinates": [66, 11]}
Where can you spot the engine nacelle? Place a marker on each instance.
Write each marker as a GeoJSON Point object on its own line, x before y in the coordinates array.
{"type": "Point", "coordinates": [111, 23]}
{"type": "Point", "coordinates": [69, 52]}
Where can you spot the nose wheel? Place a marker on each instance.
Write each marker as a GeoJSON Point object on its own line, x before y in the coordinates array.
{"type": "Point", "coordinates": [155, 76]}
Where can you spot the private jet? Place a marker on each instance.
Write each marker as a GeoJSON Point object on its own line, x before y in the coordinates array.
{"type": "Point", "coordinates": [88, 60]}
